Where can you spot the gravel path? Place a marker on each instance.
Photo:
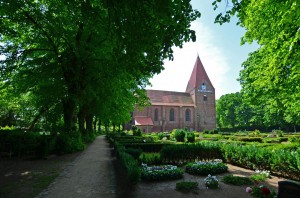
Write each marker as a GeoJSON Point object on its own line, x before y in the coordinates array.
{"type": "Point", "coordinates": [90, 175]}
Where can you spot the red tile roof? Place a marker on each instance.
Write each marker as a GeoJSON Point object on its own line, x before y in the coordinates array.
{"type": "Point", "coordinates": [198, 76]}
{"type": "Point", "coordinates": [170, 98]}
{"type": "Point", "coordinates": [143, 121]}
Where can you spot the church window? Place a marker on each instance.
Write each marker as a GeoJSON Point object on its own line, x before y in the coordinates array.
{"type": "Point", "coordinates": [172, 115]}
{"type": "Point", "coordinates": [204, 98]}
{"type": "Point", "coordinates": [156, 115]}
{"type": "Point", "coordinates": [188, 115]}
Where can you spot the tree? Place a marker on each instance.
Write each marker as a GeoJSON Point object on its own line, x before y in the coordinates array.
{"type": "Point", "coordinates": [70, 55]}
{"type": "Point", "coordinates": [270, 75]}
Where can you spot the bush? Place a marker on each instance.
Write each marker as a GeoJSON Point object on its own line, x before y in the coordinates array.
{"type": "Point", "coordinates": [133, 170]}
{"type": "Point", "coordinates": [250, 139]}
{"type": "Point", "coordinates": [190, 137]}
{"type": "Point", "coordinates": [205, 168]}
{"type": "Point", "coordinates": [135, 152]}
{"type": "Point", "coordinates": [237, 180]}
{"type": "Point", "coordinates": [178, 153]}
{"type": "Point", "coordinates": [160, 173]}
{"type": "Point", "coordinates": [214, 131]}
{"type": "Point", "coordinates": [186, 187]}
{"type": "Point", "coordinates": [137, 132]}
{"type": "Point", "coordinates": [205, 131]}
{"type": "Point", "coordinates": [150, 158]}
{"type": "Point", "coordinates": [69, 142]}
{"type": "Point", "coordinates": [179, 135]}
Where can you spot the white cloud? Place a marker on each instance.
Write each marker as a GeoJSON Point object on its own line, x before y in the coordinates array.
{"type": "Point", "coordinates": [177, 73]}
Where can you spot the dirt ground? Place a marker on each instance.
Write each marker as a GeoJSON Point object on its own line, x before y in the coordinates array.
{"type": "Point", "coordinates": [27, 178]}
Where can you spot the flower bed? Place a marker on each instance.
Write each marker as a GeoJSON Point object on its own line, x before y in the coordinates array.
{"type": "Point", "coordinates": [211, 182]}
{"type": "Point", "coordinates": [160, 173]}
{"type": "Point", "coordinates": [205, 168]}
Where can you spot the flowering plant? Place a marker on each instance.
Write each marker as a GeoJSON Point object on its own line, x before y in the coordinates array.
{"type": "Point", "coordinates": [158, 173]}
{"type": "Point", "coordinates": [203, 168]}
{"type": "Point", "coordinates": [211, 182]}
{"type": "Point", "coordinates": [260, 175]}
{"type": "Point", "coordinates": [261, 192]}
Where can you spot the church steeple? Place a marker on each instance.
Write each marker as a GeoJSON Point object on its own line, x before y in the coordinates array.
{"type": "Point", "coordinates": [199, 78]}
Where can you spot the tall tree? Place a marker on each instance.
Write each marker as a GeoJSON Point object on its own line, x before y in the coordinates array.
{"type": "Point", "coordinates": [70, 53]}
{"type": "Point", "coordinates": [271, 74]}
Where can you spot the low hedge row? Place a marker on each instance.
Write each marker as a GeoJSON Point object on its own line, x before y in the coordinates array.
{"type": "Point", "coordinates": [128, 162]}
{"type": "Point", "coordinates": [20, 143]}
{"type": "Point", "coordinates": [152, 147]}
{"type": "Point", "coordinates": [201, 151]}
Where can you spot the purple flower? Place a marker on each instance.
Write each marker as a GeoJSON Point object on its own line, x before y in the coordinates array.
{"type": "Point", "coordinates": [248, 190]}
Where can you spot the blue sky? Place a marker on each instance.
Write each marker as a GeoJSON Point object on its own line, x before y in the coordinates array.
{"type": "Point", "coordinates": [219, 50]}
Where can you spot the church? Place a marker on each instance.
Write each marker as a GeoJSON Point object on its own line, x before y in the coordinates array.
{"type": "Point", "coordinates": [194, 109]}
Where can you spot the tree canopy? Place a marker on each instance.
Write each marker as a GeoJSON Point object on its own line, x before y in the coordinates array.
{"type": "Point", "coordinates": [84, 58]}
{"type": "Point", "coordinates": [270, 75]}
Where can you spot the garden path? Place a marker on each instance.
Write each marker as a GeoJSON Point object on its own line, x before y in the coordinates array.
{"type": "Point", "coordinates": [91, 174]}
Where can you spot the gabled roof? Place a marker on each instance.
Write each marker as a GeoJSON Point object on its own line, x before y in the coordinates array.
{"type": "Point", "coordinates": [198, 76]}
{"type": "Point", "coordinates": [170, 98]}
{"type": "Point", "coordinates": [143, 121]}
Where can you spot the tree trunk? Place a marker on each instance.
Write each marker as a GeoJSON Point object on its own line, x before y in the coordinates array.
{"type": "Point", "coordinates": [69, 108]}
{"type": "Point", "coordinates": [81, 116]}
{"type": "Point", "coordinates": [99, 125]}
{"type": "Point", "coordinates": [89, 123]}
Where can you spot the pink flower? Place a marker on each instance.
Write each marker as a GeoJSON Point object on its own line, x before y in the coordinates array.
{"type": "Point", "coordinates": [248, 190]}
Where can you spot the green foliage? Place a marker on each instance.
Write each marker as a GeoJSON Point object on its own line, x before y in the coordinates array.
{"type": "Point", "coordinates": [262, 192]}
{"type": "Point", "coordinates": [130, 165]}
{"type": "Point", "coordinates": [237, 180]}
{"type": "Point", "coordinates": [150, 158]}
{"type": "Point", "coordinates": [161, 173]}
{"type": "Point", "coordinates": [250, 139]}
{"type": "Point", "coordinates": [134, 152]}
{"type": "Point", "coordinates": [205, 168]}
{"type": "Point", "coordinates": [186, 187]}
{"type": "Point", "coordinates": [211, 182]}
{"type": "Point", "coordinates": [179, 135]}
{"type": "Point", "coordinates": [294, 139]}
{"type": "Point", "coordinates": [190, 152]}
{"type": "Point", "coordinates": [214, 131]}
{"type": "Point", "coordinates": [190, 137]}
{"type": "Point", "coordinates": [205, 131]}
{"type": "Point", "coordinates": [69, 142]}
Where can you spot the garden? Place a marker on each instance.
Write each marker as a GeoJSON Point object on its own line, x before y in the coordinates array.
{"type": "Point", "coordinates": [201, 159]}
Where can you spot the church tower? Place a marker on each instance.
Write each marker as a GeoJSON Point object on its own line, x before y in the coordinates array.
{"type": "Point", "coordinates": [203, 94]}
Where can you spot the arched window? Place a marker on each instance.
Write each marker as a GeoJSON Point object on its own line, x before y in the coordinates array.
{"type": "Point", "coordinates": [204, 98]}
{"type": "Point", "coordinates": [188, 115]}
{"type": "Point", "coordinates": [172, 115]}
{"type": "Point", "coordinates": [156, 115]}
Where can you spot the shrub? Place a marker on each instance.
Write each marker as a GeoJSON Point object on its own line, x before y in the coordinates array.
{"type": "Point", "coordinates": [178, 153]}
{"type": "Point", "coordinates": [135, 152]}
{"type": "Point", "coordinates": [186, 186]}
{"type": "Point", "coordinates": [160, 173]}
{"type": "Point", "coordinates": [237, 180]}
{"type": "Point", "coordinates": [205, 168]}
{"type": "Point", "coordinates": [250, 139]}
{"type": "Point", "coordinates": [150, 158]}
{"type": "Point", "coordinates": [179, 135]}
{"type": "Point", "coordinates": [190, 137]}
{"type": "Point", "coordinates": [69, 142]}
{"type": "Point", "coordinates": [133, 170]}
{"type": "Point", "coordinates": [214, 131]}
{"type": "Point", "coordinates": [211, 182]}
{"type": "Point", "coordinates": [205, 131]}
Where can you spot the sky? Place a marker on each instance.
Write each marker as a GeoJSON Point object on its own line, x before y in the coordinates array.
{"type": "Point", "coordinates": [219, 50]}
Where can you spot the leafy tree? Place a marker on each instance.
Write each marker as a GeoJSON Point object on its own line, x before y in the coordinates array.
{"type": "Point", "coordinates": [270, 75]}
{"type": "Point", "coordinates": [86, 58]}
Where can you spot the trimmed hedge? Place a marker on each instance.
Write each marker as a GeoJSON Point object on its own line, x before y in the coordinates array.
{"type": "Point", "coordinates": [133, 170]}
{"type": "Point", "coordinates": [202, 151]}
{"type": "Point", "coordinates": [152, 147]}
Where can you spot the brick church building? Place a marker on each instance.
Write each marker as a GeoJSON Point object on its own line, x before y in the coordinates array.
{"type": "Point", "coordinates": [194, 109]}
